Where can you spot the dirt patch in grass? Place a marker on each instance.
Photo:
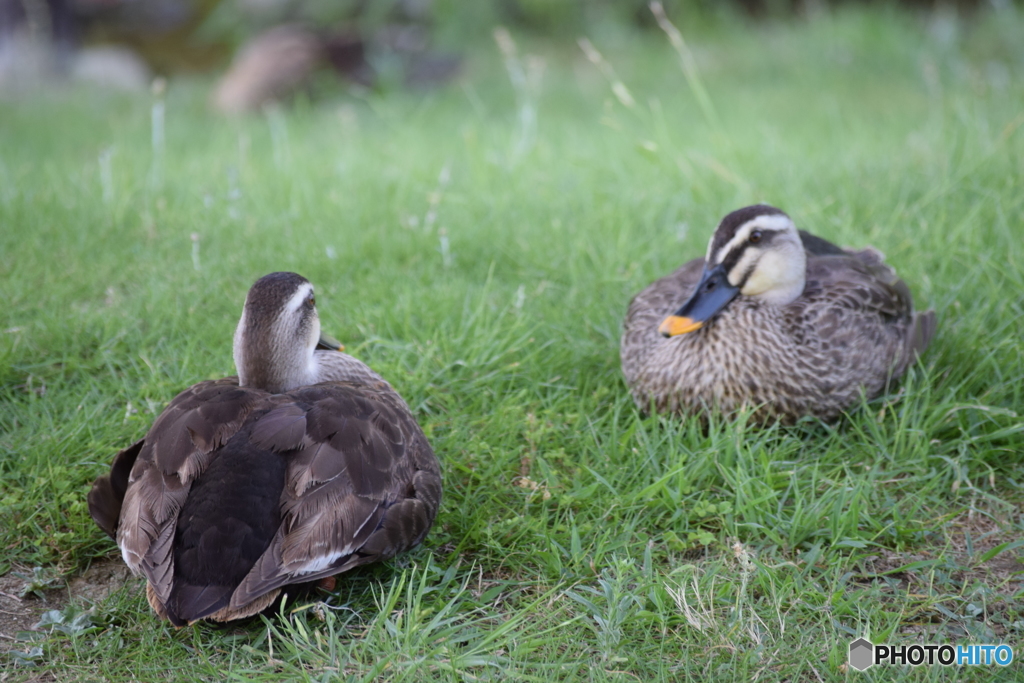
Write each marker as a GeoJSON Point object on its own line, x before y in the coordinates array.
{"type": "Point", "coordinates": [945, 579]}
{"type": "Point", "coordinates": [968, 539]}
{"type": "Point", "coordinates": [19, 613]}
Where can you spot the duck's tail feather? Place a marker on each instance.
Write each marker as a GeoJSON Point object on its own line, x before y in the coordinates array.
{"type": "Point", "coordinates": [925, 325]}
{"type": "Point", "coordinates": [107, 493]}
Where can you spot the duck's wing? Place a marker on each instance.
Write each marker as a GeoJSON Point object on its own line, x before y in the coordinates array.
{"type": "Point", "coordinates": [861, 282]}
{"type": "Point", "coordinates": [818, 246]}
{"type": "Point", "coordinates": [361, 484]}
{"type": "Point", "coordinates": [176, 450]}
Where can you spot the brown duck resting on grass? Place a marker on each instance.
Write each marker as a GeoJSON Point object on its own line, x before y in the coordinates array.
{"type": "Point", "coordinates": [774, 319]}
{"type": "Point", "coordinates": [304, 466]}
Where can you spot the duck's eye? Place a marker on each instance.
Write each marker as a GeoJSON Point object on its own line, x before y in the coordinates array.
{"type": "Point", "coordinates": [755, 237]}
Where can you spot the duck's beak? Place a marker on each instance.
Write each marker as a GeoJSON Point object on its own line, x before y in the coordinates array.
{"type": "Point", "coordinates": [329, 343]}
{"type": "Point", "coordinates": [713, 293]}
{"type": "Point", "coordinates": [678, 324]}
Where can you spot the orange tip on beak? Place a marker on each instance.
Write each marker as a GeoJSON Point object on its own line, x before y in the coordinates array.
{"type": "Point", "coordinates": [328, 343]}
{"type": "Point", "coordinates": [675, 325]}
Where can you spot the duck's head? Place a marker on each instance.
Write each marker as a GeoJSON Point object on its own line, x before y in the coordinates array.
{"type": "Point", "coordinates": [278, 333]}
{"type": "Point", "coordinates": [755, 252]}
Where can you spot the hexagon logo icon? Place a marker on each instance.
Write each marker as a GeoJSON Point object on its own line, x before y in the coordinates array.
{"type": "Point", "coordinates": [862, 654]}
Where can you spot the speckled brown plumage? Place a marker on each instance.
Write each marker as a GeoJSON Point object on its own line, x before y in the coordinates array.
{"type": "Point", "coordinates": [236, 492]}
{"type": "Point", "coordinates": [853, 330]}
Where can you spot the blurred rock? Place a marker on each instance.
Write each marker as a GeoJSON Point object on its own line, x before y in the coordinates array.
{"type": "Point", "coordinates": [431, 69]}
{"type": "Point", "coordinates": [115, 68]}
{"type": "Point", "coordinates": [403, 38]}
{"type": "Point", "coordinates": [270, 66]}
{"type": "Point", "coordinates": [26, 62]}
{"type": "Point", "coordinates": [35, 39]}
{"type": "Point", "coordinates": [38, 48]}
{"type": "Point", "coordinates": [43, 19]}
{"type": "Point", "coordinates": [421, 67]}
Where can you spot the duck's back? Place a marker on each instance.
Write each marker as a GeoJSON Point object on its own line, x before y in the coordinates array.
{"type": "Point", "coordinates": [225, 525]}
{"type": "Point", "coordinates": [235, 492]}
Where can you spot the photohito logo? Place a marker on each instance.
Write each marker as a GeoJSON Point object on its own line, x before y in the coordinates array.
{"type": "Point", "coordinates": [864, 654]}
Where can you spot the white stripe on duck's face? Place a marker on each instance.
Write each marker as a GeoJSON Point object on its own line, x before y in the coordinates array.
{"type": "Point", "coordinates": [765, 259]}
{"type": "Point", "coordinates": [302, 295]}
{"type": "Point", "coordinates": [277, 334]}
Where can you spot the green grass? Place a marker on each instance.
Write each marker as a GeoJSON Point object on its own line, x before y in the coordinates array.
{"type": "Point", "coordinates": [484, 267]}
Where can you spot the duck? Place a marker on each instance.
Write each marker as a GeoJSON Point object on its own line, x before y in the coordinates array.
{"type": "Point", "coordinates": [304, 465]}
{"type": "Point", "coordinates": [773, 319]}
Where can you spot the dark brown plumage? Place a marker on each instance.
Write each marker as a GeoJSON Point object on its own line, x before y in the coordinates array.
{"type": "Point", "coordinates": [236, 492]}
{"type": "Point", "coordinates": [846, 326]}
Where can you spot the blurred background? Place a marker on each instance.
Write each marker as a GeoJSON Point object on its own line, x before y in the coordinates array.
{"type": "Point", "coordinates": [264, 50]}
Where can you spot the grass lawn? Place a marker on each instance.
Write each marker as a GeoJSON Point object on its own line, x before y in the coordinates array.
{"type": "Point", "coordinates": [478, 247]}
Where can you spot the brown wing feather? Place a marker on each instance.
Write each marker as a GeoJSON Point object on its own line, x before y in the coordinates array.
{"type": "Point", "coordinates": [853, 285]}
{"type": "Point", "coordinates": [865, 299]}
{"type": "Point", "coordinates": [282, 429]}
{"type": "Point", "coordinates": [361, 482]}
{"type": "Point", "coordinates": [364, 488]}
{"type": "Point", "coordinates": [176, 450]}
